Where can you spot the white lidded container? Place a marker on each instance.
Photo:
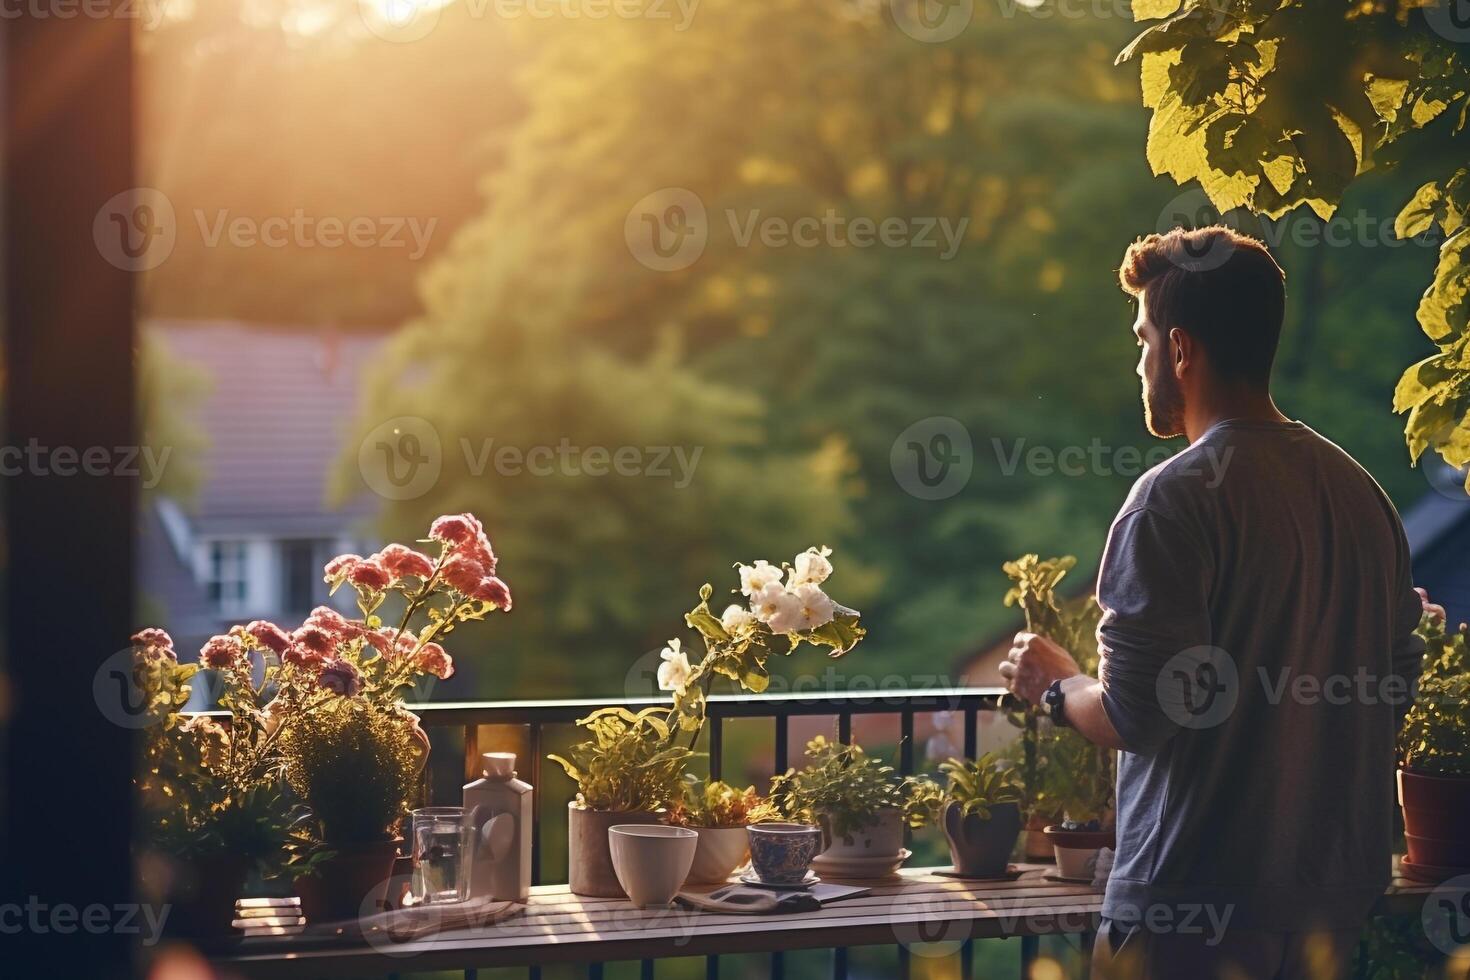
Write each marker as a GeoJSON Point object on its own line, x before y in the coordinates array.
{"type": "Point", "coordinates": [498, 806]}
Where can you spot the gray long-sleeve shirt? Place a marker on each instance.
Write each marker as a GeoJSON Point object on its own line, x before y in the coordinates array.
{"type": "Point", "coordinates": [1258, 650]}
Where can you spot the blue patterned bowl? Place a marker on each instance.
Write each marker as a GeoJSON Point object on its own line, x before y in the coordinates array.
{"type": "Point", "coordinates": [780, 853]}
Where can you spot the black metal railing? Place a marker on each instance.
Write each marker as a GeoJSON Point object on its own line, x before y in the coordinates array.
{"type": "Point", "coordinates": [441, 721]}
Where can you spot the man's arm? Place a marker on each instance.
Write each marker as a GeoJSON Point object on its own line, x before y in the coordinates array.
{"type": "Point", "coordinates": [1035, 662]}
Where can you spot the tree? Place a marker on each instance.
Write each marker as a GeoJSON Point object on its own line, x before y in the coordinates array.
{"type": "Point", "coordinates": [1274, 105]}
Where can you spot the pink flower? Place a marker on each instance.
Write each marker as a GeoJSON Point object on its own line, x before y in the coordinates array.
{"type": "Point", "coordinates": [222, 652]}
{"type": "Point", "coordinates": [338, 568]}
{"type": "Point", "coordinates": [405, 644]}
{"type": "Point", "coordinates": [480, 551]}
{"type": "Point", "coordinates": [340, 676]}
{"type": "Point", "coordinates": [369, 574]}
{"type": "Point", "coordinates": [491, 589]}
{"type": "Point", "coordinates": [455, 529]}
{"type": "Point", "coordinates": [316, 641]}
{"type": "Point", "coordinates": [331, 621]}
{"type": "Point", "coordinates": [1435, 610]}
{"type": "Point", "coordinates": [154, 644]}
{"type": "Point", "coordinates": [463, 574]}
{"type": "Point", "coordinates": [402, 562]}
{"type": "Point", "coordinates": [269, 635]}
{"type": "Point", "coordinates": [381, 639]}
{"type": "Point", "coordinates": [433, 660]}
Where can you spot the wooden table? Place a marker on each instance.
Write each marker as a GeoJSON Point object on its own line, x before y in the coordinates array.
{"type": "Point", "coordinates": [917, 907]}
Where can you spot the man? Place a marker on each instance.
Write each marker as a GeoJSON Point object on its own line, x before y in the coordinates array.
{"type": "Point", "coordinates": [1257, 649]}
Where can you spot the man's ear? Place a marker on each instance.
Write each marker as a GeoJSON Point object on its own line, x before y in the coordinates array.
{"type": "Point", "coordinates": [1181, 351]}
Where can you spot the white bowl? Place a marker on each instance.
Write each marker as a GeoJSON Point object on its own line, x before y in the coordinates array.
{"type": "Point", "coordinates": [651, 860]}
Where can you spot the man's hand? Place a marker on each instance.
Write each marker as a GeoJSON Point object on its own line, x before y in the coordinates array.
{"type": "Point", "coordinates": [1034, 662]}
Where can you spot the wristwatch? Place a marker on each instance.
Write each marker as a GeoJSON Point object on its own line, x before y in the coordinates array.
{"type": "Point", "coordinates": [1055, 704]}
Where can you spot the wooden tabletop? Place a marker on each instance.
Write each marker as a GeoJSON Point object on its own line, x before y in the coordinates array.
{"type": "Point", "coordinates": [916, 907]}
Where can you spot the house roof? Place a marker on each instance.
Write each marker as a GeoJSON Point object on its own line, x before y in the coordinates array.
{"type": "Point", "coordinates": [277, 415]}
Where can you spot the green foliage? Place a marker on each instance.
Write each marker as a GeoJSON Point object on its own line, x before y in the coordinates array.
{"type": "Point", "coordinates": [718, 804]}
{"type": "Point", "coordinates": [844, 789]}
{"type": "Point", "coordinates": [355, 767]}
{"type": "Point", "coordinates": [977, 785]}
{"type": "Point", "coordinates": [1065, 774]}
{"type": "Point", "coordinates": [1435, 738]}
{"type": "Point", "coordinates": [1397, 949]}
{"type": "Point", "coordinates": [631, 762]}
{"type": "Point", "coordinates": [1273, 105]}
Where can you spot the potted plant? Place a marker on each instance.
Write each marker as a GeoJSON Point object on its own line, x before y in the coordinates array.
{"type": "Point", "coordinates": [1079, 785]}
{"type": "Point", "coordinates": [859, 802]}
{"type": "Point", "coordinates": [633, 765]}
{"type": "Point", "coordinates": [719, 814]}
{"type": "Point", "coordinates": [1045, 753]}
{"type": "Point", "coordinates": [979, 810]}
{"type": "Point", "coordinates": [1434, 757]}
{"type": "Point", "coordinates": [356, 768]}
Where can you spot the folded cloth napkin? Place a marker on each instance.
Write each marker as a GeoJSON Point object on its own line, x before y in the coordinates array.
{"type": "Point", "coordinates": [744, 900]}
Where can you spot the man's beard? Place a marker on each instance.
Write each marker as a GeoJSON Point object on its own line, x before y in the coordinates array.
{"type": "Point", "coordinates": [1163, 406]}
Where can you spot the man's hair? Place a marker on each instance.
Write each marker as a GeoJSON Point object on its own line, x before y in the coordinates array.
{"type": "Point", "coordinates": [1221, 287]}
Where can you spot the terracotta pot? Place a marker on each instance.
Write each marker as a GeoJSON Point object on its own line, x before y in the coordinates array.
{"type": "Point", "coordinates": [352, 882]}
{"type": "Point", "coordinates": [202, 893]}
{"type": "Point", "coordinates": [1036, 846]}
{"type": "Point", "coordinates": [720, 851]}
{"type": "Point", "coordinates": [882, 837]}
{"type": "Point", "coordinates": [978, 846]}
{"type": "Point", "coordinates": [1436, 820]}
{"type": "Point", "coordinates": [1076, 850]}
{"type": "Point", "coordinates": [589, 858]}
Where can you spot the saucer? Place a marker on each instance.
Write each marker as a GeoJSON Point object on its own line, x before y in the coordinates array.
{"type": "Point", "coordinates": [749, 878]}
{"type": "Point", "coordinates": [1058, 876]}
{"type": "Point", "coordinates": [861, 868]}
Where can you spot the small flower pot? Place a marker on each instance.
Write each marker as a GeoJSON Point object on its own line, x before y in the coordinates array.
{"type": "Point", "coordinates": [880, 838]}
{"type": "Point", "coordinates": [1076, 850]}
{"type": "Point", "coordinates": [719, 852]}
{"type": "Point", "coordinates": [351, 883]}
{"type": "Point", "coordinates": [1036, 847]}
{"type": "Point", "coordinates": [202, 894]}
{"type": "Point", "coordinates": [1436, 825]}
{"type": "Point", "coordinates": [651, 861]}
{"type": "Point", "coordinates": [980, 847]}
{"type": "Point", "coordinates": [589, 858]}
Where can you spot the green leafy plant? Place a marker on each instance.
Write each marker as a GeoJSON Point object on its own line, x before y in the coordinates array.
{"type": "Point", "coordinates": [976, 785]}
{"type": "Point", "coordinates": [1435, 737]}
{"type": "Point", "coordinates": [630, 763]}
{"type": "Point", "coordinates": [718, 804]}
{"type": "Point", "coordinates": [1066, 776]}
{"type": "Point", "coordinates": [355, 766]}
{"type": "Point", "coordinates": [844, 789]}
{"type": "Point", "coordinates": [1271, 105]}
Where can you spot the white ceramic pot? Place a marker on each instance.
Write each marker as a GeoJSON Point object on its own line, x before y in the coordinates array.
{"type": "Point", "coordinates": [1076, 862]}
{"type": "Point", "coordinates": [651, 861]}
{"type": "Point", "coordinates": [720, 851]}
{"type": "Point", "coordinates": [883, 837]}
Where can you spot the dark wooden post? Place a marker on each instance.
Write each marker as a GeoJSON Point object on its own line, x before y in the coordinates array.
{"type": "Point", "coordinates": [68, 380]}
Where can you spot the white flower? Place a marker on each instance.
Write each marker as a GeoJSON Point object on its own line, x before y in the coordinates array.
{"type": "Point", "coordinates": [772, 604]}
{"type": "Point", "coordinates": [754, 578]}
{"type": "Point", "coordinates": [811, 567]}
{"type": "Point", "coordinates": [736, 619]}
{"type": "Point", "coordinates": [813, 609]}
{"type": "Point", "coordinates": [673, 673]}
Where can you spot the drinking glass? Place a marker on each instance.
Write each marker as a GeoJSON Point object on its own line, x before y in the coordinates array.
{"type": "Point", "coordinates": [442, 855]}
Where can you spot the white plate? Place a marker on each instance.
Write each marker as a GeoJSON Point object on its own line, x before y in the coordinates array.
{"type": "Point", "coordinates": [867, 867]}
{"type": "Point", "coordinates": [750, 878]}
